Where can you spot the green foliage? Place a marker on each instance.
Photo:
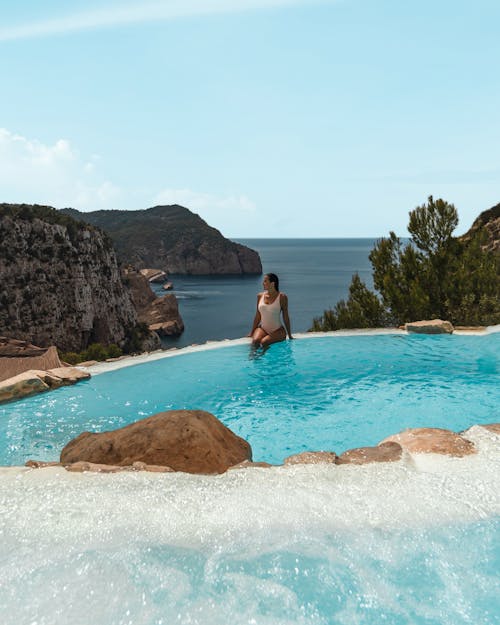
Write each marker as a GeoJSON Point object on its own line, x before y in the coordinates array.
{"type": "Point", "coordinates": [134, 338]}
{"type": "Point", "coordinates": [72, 358]}
{"type": "Point", "coordinates": [434, 275]}
{"type": "Point", "coordinates": [95, 351]}
{"type": "Point", "coordinates": [363, 309]}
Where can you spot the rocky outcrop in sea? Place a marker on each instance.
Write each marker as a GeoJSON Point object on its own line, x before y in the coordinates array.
{"type": "Point", "coordinates": [160, 314]}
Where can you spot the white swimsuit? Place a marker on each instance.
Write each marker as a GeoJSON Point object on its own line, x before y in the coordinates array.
{"type": "Point", "coordinates": [270, 319]}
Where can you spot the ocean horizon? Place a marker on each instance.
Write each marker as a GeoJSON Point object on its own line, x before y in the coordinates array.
{"type": "Point", "coordinates": [315, 273]}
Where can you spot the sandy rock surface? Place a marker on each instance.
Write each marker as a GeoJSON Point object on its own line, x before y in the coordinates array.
{"type": "Point", "coordinates": [311, 457]}
{"type": "Point", "coordinates": [432, 440]}
{"type": "Point", "coordinates": [433, 326]}
{"type": "Point", "coordinates": [385, 452]}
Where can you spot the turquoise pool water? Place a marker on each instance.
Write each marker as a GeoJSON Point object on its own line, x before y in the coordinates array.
{"type": "Point", "coordinates": [329, 393]}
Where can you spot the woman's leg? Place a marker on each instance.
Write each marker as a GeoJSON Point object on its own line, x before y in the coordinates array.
{"type": "Point", "coordinates": [275, 337]}
{"type": "Point", "coordinates": [257, 337]}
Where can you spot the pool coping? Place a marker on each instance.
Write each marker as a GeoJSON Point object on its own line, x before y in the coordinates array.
{"type": "Point", "coordinates": [129, 361]}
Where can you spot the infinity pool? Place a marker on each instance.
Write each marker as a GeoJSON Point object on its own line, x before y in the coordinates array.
{"type": "Point", "coordinates": [328, 393]}
{"type": "Point", "coordinates": [416, 542]}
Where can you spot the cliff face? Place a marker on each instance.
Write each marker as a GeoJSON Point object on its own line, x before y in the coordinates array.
{"type": "Point", "coordinates": [488, 222]}
{"type": "Point", "coordinates": [173, 239]}
{"type": "Point", "coordinates": [59, 281]}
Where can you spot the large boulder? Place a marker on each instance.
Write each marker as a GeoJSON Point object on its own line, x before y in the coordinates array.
{"type": "Point", "coordinates": [193, 441]}
{"type": "Point", "coordinates": [432, 326]}
{"type": "Point", "coordinates": [434, 441]}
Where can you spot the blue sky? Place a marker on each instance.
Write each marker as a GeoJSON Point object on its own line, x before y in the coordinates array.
{"type": "Point", "coordinates": [271, 118]}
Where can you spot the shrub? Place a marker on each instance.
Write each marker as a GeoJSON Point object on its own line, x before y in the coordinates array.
{"type": "Point", "coordinates": [95, 351]}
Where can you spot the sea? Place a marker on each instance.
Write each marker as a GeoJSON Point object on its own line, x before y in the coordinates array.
{"type": "Point", "coordinates": [314, 273]}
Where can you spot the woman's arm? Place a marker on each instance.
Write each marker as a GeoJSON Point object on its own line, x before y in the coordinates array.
{"type": "Point", "coordinates": [286, 318]}
{"type": "Point", "coordinates": [256, 319]}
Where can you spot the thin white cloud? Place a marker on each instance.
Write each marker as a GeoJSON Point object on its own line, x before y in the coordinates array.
{"type": "Point", "coordinates": [34, 172]}
{"type": "Point", "coordinates": [117, 15]}
{"type": "Point", "coordinates": [230, 213]}
{"type": "Point", "coordinates": [203, 202]}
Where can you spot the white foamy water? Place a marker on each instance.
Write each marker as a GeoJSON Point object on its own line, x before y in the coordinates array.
{"type": "Point", "coordinates": [306, 544]}
{"type": "Point", "coordinates": [54, 506]}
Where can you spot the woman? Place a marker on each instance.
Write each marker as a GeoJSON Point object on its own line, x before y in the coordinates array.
{"type": "Point", "coordinates": [271, 304]}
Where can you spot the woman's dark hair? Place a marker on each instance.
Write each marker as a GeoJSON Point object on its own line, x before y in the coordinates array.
{"type": "Point", "coordinates": [274, 278]}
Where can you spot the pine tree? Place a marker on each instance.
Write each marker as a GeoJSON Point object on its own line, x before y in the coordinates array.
{"type": "Point", "coordinates": [434, 275]}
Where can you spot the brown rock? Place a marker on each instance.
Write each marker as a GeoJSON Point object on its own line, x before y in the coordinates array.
{"type": "Point", "coordinates": [94, 467]}
{"type": "Point", "coordinates": [385, 452]}
{"type": "Point", "coordinates": [40, 464]}
{"type": "Point", "coordinates": [470, 328]}
{"type": "Point", "coordinates": [154, 468]}
{"type": "Point", "coordinates": [193, 441]}
{"type": "Point", "coordinates": [22, 385]}
{"type": "Point", "coordinates": [492, 427]}
{"type": "Point", "coordinates": [69, 375]}
{"type": "Point", "coordinates": [433, 441]}
{"type": "Point", "coordinates": [311, 457]}
{"type": "Point", "coordinates": [160, 314]}
{"type": "Point", "coordinates": [247, 464]}
{"type": "Point", "coordinates": [52, 381]}
{"type": "Point", "coordinates": [434, 326]}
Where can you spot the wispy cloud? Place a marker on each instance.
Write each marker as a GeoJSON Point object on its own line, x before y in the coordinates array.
{"type": "Point", "coordinates": [32, 171]}
{"type": "Point", "coordinates": [58, 175]}
{"type": "Point", "coordinates": [199, 201]}
{"type": "Point", "coordinates": [222, 211]}
{"type": "Point", "coordinates": [117, 15]}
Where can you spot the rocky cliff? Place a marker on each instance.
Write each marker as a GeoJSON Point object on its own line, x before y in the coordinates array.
{"type": "Point", "coordinates": [173, 239]}
{"type": "Point", "coordinates": [489, 223]}
{"type": "Point", "coordinates": [160, 314]}
{"type": "Point", "coordinates": [60, 282]}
